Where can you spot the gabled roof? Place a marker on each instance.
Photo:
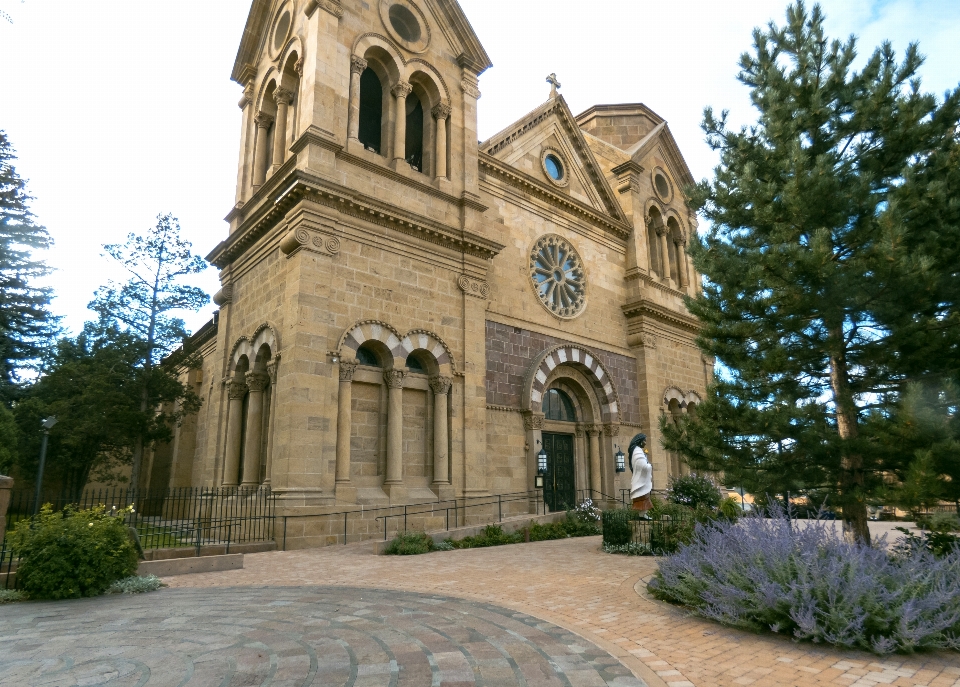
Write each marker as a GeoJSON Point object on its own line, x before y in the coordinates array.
{"type": "Point", "coordinates": [557, 107]}
{"type": "Point", "coordinates": [453, 24]}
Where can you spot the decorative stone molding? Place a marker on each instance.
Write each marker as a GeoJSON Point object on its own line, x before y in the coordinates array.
{"type": "Point", "coordinates": [533, 421]}
{"type": "Point", "coordinates": [247, 96]}
{"type": "Point", "coordinates": [442, 111]}
{"type": "Point", "coordinates": [257, 381]}
{"type": "Point", "coordinates": [357, 65]}
{"type": "Point", "coordinates": [303, 239]}
{"type": "Point", "coordinates": [236, 390]}
{"type": "Point", "coordinates": [441, 385]}
{"type": "Point", "coordinates": [595, 430]}
{"type": "Point", "coordinates": [558, 276]}
{"type": "Point", "coordinates": [612, 430]}
{"type": "Point", "coordinates": [331, 6]}
{"type": "Point", "coordinates": [224, 295]}
{"type": "Point", "coordinates": [401, 90]}
{"type": "Point", "coordinates": [282, 96]}
{"type": "Point", "coordinates": [469, 86]}
{"type": "Point", "coordinates": [394, 378]}
{"type": "Point", "coordinates": [347, 369]}
{"type": "Point", "coordinates": [587, 363]}
{"type": "Point", "coordinates": [272, 368]}
{"type": "Point", "coordinates": [298, 67]}
{"type": "Point", "coordinates": [473, 287]}
{"type": "Point", "coordinates": [263, 120]}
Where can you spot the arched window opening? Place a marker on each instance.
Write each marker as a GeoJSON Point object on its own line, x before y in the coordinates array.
{"type": "Point", "coordinates": [414, 142]}
{"type": "Point", "coordinates": [558, 406]}
{"type": "Point", "coordinates": [414, 365]}
{"type": "Point", "coordinates": [673, 232]}
{"type": "Point", "coordinates": [371, 110]}
{"type": "Point", "coordinates": [653, 241]}
{"type": "Point", "coordinates": [366, 356]}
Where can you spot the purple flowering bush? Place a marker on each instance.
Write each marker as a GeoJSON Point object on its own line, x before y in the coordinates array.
{"type": "Point", "coordinates": [806, 581]}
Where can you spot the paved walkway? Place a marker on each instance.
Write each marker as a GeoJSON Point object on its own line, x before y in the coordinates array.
{"type": "Point", "coordinates": [572, 584]}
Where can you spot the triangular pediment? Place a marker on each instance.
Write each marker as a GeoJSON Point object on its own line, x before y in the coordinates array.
{"type": "Point", "coordinates": [552, 127]}
{"type": "Point", "coordinates": [660, 147]}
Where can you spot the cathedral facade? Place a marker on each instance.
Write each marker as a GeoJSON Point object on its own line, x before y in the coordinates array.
{"type": "Point", "coordinates": [408, 314]}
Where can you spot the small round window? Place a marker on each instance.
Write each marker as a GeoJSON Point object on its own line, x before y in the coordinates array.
{"type": "Point", "coordinates": [280, 33]}
{"type": "Point", "coordinates": [405, 23]}
{"type": "Point", "coordinates": [663, 186]}
{"type": "Point", "coordinates": [553, 166]}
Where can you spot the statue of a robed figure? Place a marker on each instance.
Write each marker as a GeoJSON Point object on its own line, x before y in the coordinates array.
{"type": "Point", "coordinates": [641, 484]}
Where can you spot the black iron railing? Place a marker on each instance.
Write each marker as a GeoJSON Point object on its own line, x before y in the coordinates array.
{"type": "Point", "coordinates": [8, 566]}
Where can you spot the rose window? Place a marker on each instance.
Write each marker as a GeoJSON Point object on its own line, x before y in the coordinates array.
{"type": "Point", "coordinates": [558, 275]}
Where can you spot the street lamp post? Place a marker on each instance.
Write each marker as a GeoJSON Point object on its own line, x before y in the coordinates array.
{"type": "Point", "coordinates": [47, 426]}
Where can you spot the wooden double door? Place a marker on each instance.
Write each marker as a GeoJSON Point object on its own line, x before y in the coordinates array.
{"type": "Point", "coordinates": [559, 484]}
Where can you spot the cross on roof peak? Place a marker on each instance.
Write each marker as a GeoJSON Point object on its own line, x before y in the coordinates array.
{"type": "Point", "coordinates": [554, 85]}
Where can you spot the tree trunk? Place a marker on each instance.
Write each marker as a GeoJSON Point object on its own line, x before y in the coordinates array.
{"type": "Point", "coordinates": [138, 448]}
{"type": "Point", "coordinates": [855, 527]}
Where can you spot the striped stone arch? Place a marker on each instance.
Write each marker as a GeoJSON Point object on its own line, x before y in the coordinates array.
{"type": "Point", "coordinates": [373, 330]}
{"type": "Point", "coordinates": [433, 344]}
{"type": "Point", "coordinates": [587, 362]}
{"type": "Point", "coordinates": [683, 399]}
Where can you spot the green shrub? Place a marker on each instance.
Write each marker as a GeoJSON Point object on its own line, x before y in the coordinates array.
{"type": "Point", "coordinates": [445, 545]}
{"type": "Point", "coordinates": [694, 491]}
{"type": "Point", "coordinates": [72, 553]}
{"type": "Point", "coordinates": [492, 535]}
{"type": "Point", "coordinates": [135, 585]}
{"type": "Point", "coordinates": [8, 596]}
{"type": "Point", "coordinates": [730, 508]}
{"type": "Point", "coordinates": [409, 544]}
{"type": "Point", "coordinates": [617, 527]}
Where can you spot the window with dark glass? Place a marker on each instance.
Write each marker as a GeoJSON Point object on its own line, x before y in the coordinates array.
{"type": "Point", "coordinates": [371, 109]}
{"type": "Point", "coordinates": [414, 142]}
{"type": "Point", "coordinates": [554, 167]}
{"type": "Point", "coordinates": [365, 356]}
{"type": "Point", "coordinates": [558, 406]}
{"type": "Point", "coordinates": [414, 365]}
{"type": "Point", "coordinates": [405, 23]}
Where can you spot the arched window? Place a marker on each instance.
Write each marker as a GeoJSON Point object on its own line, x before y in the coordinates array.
{"type": "Point", "coordinates": [414, 142]}
{"type": "Point", "coordinates": [414, 365]}
{"type": "Point", "coordinates": [366, 356]}
{"type": "Point", "coordinates": [653, 241]}
{"type": "Point", "coordinates": [673, 230]}
{"type": "Point", "coordinates": [558, 406]}
{"type": "Point", "coordinates": [371, 109]}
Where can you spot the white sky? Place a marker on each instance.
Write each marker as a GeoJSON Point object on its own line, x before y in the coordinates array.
{"type": "Point", "coordinates": [121, 110]}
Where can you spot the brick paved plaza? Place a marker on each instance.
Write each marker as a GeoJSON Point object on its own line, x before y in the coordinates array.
{"type": "Point", "coordinates": [471, 617]}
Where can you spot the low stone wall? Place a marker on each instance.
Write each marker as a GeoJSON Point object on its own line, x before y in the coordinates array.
{"type": "Point", "coordinates": [186, 566]}
{"type": "Point", "coordinates": [508, 526]}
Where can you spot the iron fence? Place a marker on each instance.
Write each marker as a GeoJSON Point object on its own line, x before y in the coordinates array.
{"type": "Point", "coordinates": [660, 534]}
{"type": "Point", "coordinates": [8, 567]}
{"type": "Point", "coordinates": [171, 518]}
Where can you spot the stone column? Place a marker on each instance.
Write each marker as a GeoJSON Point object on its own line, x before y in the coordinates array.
{"type": "Point", "coordinates": [681, 262]}
{"type": "Point", "coordinates": [596, 478]}
{"type": "Point", "coordinates": [244, 170]}
{"type": "Point", "coordinates": [261, 154]}
{"type": "Point", "coordinates": [612, 434]}
{"type": "Point", "coordinates": [694, 279]}
{"type": "Point", "coordinates": [394, 380]}
{"type": "Point", "coordinates": [533, 429]}
{"type": "Point", "coordinates": [441, 112]}
{"type": "Point", "coordinates": [272, 372]}
{"type": "Point", "coordinates": [231, 469]}
{"type": "Point", "coordinates": [440, 387]}
{"type": "Point", "coordinates": [357, 67]}
{"type": "Point", "coordinates": [283, 98]}
{"type": "Point", "coordinates": [344, 428]}
{"type": "Point", "coordinates": [400, 92]}
{"type": "Point", "coordinates": [257, 383]}
{"type": "Point", "coordinates": [664, 254]}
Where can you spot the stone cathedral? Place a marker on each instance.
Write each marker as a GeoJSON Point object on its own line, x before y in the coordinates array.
{"type": "Point", "coordinates": [408, 314]}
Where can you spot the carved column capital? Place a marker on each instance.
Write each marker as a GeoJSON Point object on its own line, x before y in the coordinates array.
{"type": "Point", "coordinates": [283, 96]}
{"type": "Point", "coordinates": [357, 64]}
{"type": "Point", "coordinates": [272, 369]}
{"type": "Point", "coordinates": [594, 430]}
{"type": "Point", "coordinates": [441, 385]}
{"type": "Point", "coordinates": [394, 378]}
{"type": "Point", "coordinates": [533, 421]}
{"type": "Point", "coordinates": [442, 111]}
{"type": "Point", "coordinates": [401, 90]}
{"type": "Point", "coordinates": [257, 381]}
{"type": "Point", "coordinates": [347, 369]}
{"type": "Point", "coordinates": [247, 96]}
{"type": "Point", "coordinates": [263, 120]}
{"type": "Point", "coordinates": [611, 430]}
{"type": "Point", "coordinates": [236, 389]}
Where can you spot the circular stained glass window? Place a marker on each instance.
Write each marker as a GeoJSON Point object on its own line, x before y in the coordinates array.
{"type": "Point", "coordinates": [663, 186]}
{"type": "Point", "coordinates": [554, 167]}
{"type": "Point", "coordinates": [558, 276]}
{"type": "Point", "coordinates": [280, 33]}
{"type": "Point", "coordinates": [405, 23]}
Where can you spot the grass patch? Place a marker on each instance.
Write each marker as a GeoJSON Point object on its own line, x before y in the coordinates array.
{"type": "Point", "coordinates": [135, 585]}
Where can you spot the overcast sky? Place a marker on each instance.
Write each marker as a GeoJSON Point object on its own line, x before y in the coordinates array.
{"type": "Point", "coordinates": [121, 110]}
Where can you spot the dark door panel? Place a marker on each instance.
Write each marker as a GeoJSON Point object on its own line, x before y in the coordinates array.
{"type": "Point", "coordinates": [559, 489]}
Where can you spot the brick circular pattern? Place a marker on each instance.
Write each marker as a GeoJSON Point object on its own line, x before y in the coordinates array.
{"type": "Point", "coordinates": [286, 636]}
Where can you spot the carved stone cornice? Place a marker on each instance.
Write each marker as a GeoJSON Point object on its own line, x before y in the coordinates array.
{"type": "Point", "coordinates": [257, 381]}
{"type": "Point", "coordinates": [442, 111]}
{"type": "Point", "coordinates": [236, 390]}
{"type": "Point", "coordinates": [643, 308]}
{"type": "Point", "coordinates": [357, 64]}
{"type": "Point", "coordinates": [302, 239]}
{"type": "Point", "coordinates": [628, 177]}
{"type": "Point", "coordinates": [263, 120]}
{"type": "Point", "coordinates": [470, 86]}
{"type": "Point", "coordinates": [332, 6]}
{"type": "Point", "coordinates": [533, 421]}
{"type": "Point", "coordinates": [401, 89]}
{"type": "Point", "coordinates": [247, 96]}
{"type": "Point", "coordinates": [441, 385]}
{"type": "Point", "coordinates": [347, 369]}
{"type": "Point", "coordinates": [394, 378]}
{"type": "Point", "coordinates": [224, 295]}
{"type": "Point", "coordinates": [473, 287]}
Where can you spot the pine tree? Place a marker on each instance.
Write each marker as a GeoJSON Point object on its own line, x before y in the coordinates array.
{"type": "Point", "coordinates": [830, 264]}
{"type": "Point", "coordinates": [143, 305]}
{"type": "Point", "coordinates": [26, 324]}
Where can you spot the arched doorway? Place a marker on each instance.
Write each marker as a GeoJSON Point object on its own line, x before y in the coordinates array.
{"type": "Point", "coordinates": [560, 483]}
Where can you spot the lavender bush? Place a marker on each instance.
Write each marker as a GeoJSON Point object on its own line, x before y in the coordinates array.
{"type": "Point", "coordinates": [806, 581]}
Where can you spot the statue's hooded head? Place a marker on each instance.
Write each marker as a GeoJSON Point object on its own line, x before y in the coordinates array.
{"type": "Point", "coordinates": [638, 441]}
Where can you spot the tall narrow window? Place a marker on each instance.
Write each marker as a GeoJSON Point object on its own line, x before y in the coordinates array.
{"type": "Point", "coordinates": [558, 406]}
{"type": "Point", "coordinates": [371, 109]}
{"type": "Point", "coordinates": [414, 142]}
